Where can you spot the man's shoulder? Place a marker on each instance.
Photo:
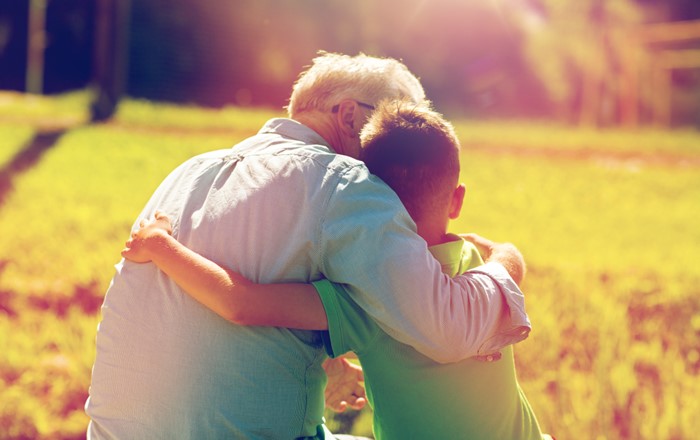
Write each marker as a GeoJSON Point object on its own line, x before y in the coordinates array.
{"type": "Point", "coordinates": [305, 152]}
{"type": "Point", "coordinates": [336, 167]}
{"type": "Point", "coordinates": [281, 136]}
{"type": "Point", "coordinates": [346, 165]}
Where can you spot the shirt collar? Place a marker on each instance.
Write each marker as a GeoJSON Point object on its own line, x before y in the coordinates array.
{"type": "Point", "coordinates": [294, 130]}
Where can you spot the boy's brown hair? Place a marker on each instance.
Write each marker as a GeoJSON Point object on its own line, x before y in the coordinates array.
{"type": "Point", "coordinates": [415, 151]}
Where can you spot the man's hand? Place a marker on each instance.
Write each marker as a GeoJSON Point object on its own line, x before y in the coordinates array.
{"type": "Point", "coordinates": [137, 247]}
{"type": "Point", "coordinates": [504, 253]}
{"type": "Point", "coordinates": [345, 386]}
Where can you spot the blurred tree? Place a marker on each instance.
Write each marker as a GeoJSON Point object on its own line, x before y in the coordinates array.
{"type": "Point", "coordinates": [461, 50]}
{"type": "Point", "coordinates": [499, 58]}
{"type": "Point", "coordinates": [571, 59]}
{"type": "Point", "coordinates": [578, 48]}
{"type": "Point", "coordinates": [14, 21]}
{"type": "Point", "coordinates": [109, 56]}
{"type": "Point", "coordinates": [69, 46]}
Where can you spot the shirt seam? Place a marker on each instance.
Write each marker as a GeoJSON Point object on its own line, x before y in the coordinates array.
{"type": "Point", "coordinates": [339, 176]}
{"type": "Point", "coordinates": [306, 394]}
{"type": "Point", "coordinates": [323, 290]}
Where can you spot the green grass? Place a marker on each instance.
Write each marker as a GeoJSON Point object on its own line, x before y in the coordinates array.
{"type": "Point", "coordinates": [45, 374]}
{"type": "Point", "coordinates": [12, 139]}
{"type": "Point", "coordinates": [70, 214]}
{"type": "Point", "coordinates": [611, 246]}
{"type": "Point", "coordinates": [148, 114]}
{"type": "Point", "coordinates": [556, 138]}
{"type": "Point", "coordinates": [60, 110]}
{"type": "Point", "coordinates": [584, 214]}
{"type": "Point", "coordinates": [612, 289]}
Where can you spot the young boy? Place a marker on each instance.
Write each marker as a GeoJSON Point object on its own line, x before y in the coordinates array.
{"type": "Point", "coordinates": [415, 151]}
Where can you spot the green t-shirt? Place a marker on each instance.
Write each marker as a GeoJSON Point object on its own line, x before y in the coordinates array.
{"type": "Point", "coordinates": [415, 397]}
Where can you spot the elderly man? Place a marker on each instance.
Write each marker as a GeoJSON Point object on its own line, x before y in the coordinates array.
{"type": "Point", "coordinates": [288, 204]}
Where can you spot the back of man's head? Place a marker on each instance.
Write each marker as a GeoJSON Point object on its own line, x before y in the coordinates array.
{"type": "Point", "coordinates": [333, 77]}
{"type": "Point", "coordinates": [415, 151]}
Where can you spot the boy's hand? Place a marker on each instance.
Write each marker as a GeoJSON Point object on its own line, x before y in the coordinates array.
{"type": "Point", "coordinates": [504, 253]}
{"type": "Point", "coordinates": [345, 387]}
{"type": "Point", "coordinates": [137, 248]}
{"type": "Point", "coordinates": [483, 245]}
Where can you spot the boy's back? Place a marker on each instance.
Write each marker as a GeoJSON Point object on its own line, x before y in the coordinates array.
{"type": "Point", "coordinates": [415, 151]}
{"type": "Point", "coordinates": [415, 397]}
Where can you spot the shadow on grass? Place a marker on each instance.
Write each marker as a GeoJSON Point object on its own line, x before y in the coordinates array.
{"type": "Point", "coordinates": [25, 159]}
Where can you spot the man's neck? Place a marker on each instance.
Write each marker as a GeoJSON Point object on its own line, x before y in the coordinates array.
{"type": "Point", "coordinates": [321, 124]}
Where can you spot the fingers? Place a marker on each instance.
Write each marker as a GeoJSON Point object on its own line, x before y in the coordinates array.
{"type": "Point", "coordinates": [352, 396]}
{"type": "Point", "coordinates": [128, 248]}
{"type": "Point", "coordinates": [360, 377]}
{"type": "Point", "coordinates": [477, 239]}
{"type": "Point", "coordinates": [344, 388]}
{"type": "Point", "coordinates": [126, 252]}
{"type": "Point", "coordinates": [359, 403]}
{"type": "Point", "coordinates": [338, 407]}
{"type": "Point", "coordinates": [160, 220]}
{"type": "Point", "coordinates": [354, 402]}
{"type": "Point", "coordinates": [159, 215]}
{"type": "Point", "coordinates": [484, 245]}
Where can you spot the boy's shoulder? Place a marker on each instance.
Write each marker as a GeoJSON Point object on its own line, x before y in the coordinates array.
{"type": "Point", "coordinates": [456, 255]}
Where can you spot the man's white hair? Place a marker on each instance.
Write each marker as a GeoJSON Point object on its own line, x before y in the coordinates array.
{"type": "Point", "coordinates": [333, 77]}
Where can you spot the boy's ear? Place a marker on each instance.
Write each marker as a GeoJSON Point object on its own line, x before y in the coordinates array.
{"type": "Point", "coordinates": [457, 200]}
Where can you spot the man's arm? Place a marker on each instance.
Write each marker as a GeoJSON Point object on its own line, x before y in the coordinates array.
{"type": "Point", "coordinates": [235, 298]}
{"type": "Point", "coordinates": [369, 243]}
{"type": "Point", "coordinates": [229, 294]}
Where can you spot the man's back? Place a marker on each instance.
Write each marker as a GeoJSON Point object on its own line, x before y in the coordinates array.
{"type": "Point", "coordinates": [168, 367]}
{"type": "Point", "coordinates": [279, 207]}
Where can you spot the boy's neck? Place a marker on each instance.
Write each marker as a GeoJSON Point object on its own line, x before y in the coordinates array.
{"type": "Point", "coordinates": [434, 234]}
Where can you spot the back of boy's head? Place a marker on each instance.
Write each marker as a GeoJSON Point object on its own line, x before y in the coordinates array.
{"type": "Point", "coordinates": [415, 151]}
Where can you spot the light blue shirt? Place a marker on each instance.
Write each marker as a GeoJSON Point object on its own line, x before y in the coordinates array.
{"type": "Point", "coordinates": [279, 207]}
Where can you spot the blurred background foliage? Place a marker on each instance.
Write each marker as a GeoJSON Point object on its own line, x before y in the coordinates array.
{"type": "Point", "coordinates": [579, 118]}
{"type": "Point", "coordinates": [587, 62]}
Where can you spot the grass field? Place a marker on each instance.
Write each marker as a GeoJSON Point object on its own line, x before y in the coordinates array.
{"type": "Point", "coordinates": [607, 222]}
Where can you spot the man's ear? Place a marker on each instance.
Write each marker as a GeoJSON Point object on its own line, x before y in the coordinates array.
{"type": "Point", "coordinates": [457, 200]}
{"type": "Point", "coordinates": [347, 112]}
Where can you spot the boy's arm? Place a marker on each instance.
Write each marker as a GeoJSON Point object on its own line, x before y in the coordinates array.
{"type": "Point", "coordinates": [229, 294]}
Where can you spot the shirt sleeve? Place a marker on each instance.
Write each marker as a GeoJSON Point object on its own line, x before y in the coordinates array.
{"type": "Point", "coordinates": [368, 242]}
{"type": "Point", "coordinates": [349, 327]}
{"type": "Point", "coordinates": [515, 325]}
